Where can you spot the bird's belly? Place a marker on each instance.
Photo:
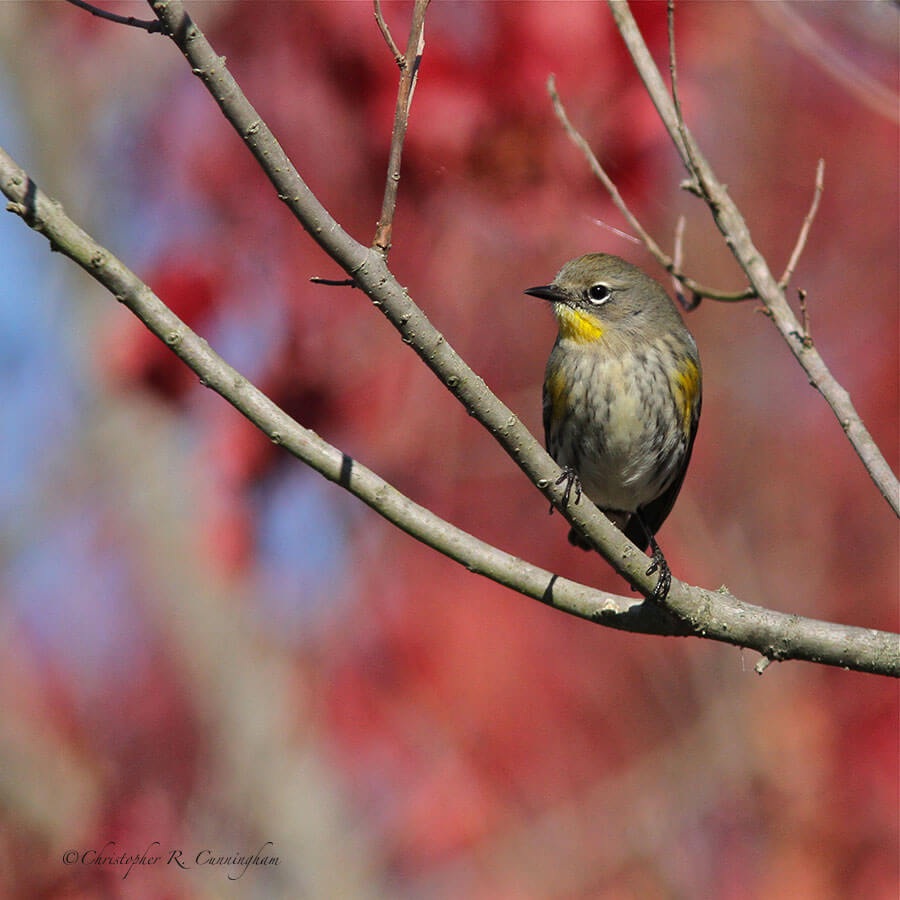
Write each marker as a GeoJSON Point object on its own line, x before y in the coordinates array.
{"type": "Point", "coordinates": [622, 437]}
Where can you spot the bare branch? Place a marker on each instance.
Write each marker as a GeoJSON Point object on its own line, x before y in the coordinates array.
{"type": "Point", "coordinates": [694, 183]}
{"type": "Point", "coordinates": [409, 71]}
{"type": "Point", "coordinates": [598, 170]}
{"type": "Point", "coordinates": [399, 58]}
{"type": "Point", "coordinates": [658, 253]}
{"type": "Point", "coordinates": [777, 636]}
{"type": "Point", "coordinates": [152, 26]}
{"type": "Point", "coordinates": [807, 224]}
{"type": "Point", "coordinates": [734, 229]}
{"type": "Point", "coordinates": [677, 261]}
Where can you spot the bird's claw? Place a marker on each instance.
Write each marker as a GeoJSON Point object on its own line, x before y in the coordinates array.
{"type": "Point", "coordinates": [659, 564]}
{"type": "Point", "coordinates": [570, 477]}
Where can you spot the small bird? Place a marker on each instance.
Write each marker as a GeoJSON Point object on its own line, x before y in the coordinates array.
{"type": "Point", "coordinates": [622, 394]}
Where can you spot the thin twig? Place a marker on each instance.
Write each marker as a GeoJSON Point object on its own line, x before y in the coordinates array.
{"type": "Point", "coordinates": [622, 234]}
{"type": "Point", "coordinates": [695, 185]}
{"type": "Point", "coordinates": [677, 262]}
{"type": "Point", "coordinates": [333, 282]}
{"type": "Point", "coordinates": [656, 251]}
{"type": "Point", "coordinates": [598, 170]}
{"type": "Point", "coordinates": [153, 26]}
{"type": "Point", "coordinates": [678, 243]}
{"type": "Point", "coordinates": [408, 74]}
{"type": "Point", "coordinates": [776, 635]}
{"type": "Point", "coordinates": [804, 315]}
{"type": "Point", "coordinates": [803, 333]}
{"type": "Point", "coordinates": [804, 229]}
{"type": "Point", "coordinates": [389, 40]}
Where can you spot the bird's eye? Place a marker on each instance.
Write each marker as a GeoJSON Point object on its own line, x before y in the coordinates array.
{"type": "Point", "coordinates": [598, 294]}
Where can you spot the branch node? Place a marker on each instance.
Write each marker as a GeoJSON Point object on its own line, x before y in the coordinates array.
{"type": "Point", "coordinates": [762, 664]}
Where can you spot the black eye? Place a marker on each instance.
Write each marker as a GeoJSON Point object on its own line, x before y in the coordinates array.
{"type": "Point", "coordinates": [598, 293]}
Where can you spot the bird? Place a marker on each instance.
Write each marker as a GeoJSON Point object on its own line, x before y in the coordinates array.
{"type": "Point", "coordinates": [621, 397]}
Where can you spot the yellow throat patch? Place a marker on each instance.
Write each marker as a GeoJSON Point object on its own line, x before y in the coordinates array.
{"type": "Point", "coordinates": [576, 325]}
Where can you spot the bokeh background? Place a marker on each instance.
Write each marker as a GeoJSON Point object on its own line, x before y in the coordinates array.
{"type": "Point", "coordinates": [205, 645]}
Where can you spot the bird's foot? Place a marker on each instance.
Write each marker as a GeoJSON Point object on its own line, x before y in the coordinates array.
{"type": "Point", "coordinates": [659, 564]}
{"type": "Point", "coordinates": [570, 477]}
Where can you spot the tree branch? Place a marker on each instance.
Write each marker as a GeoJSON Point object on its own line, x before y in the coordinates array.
{"type": "Point", "coordinates": [714, 615]}
{"type": "Point", "coordinates": [47, 217]}
{"type": "Point", "coordinates": [804, 229]}
{"type": "Point", "coordinates": [409, 71]}
{"type": "Point", "coordinates": [690, 162]}
{"type": "Point", "coordinates": [369, 270]}
{"type": "Point", "coordinates": [399, 58]}
{"type": "Point", "coordinates": [152, 26]}
{"type": "Point", "coordinates": [666, 261]}
{"type": "Point", "coordinates": [731, 223]}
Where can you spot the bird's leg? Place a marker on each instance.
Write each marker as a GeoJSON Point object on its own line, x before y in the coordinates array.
{"type": "Point", "coordinates": [659, 564]}
{"type": "Point", "coordinates": [570, 477]}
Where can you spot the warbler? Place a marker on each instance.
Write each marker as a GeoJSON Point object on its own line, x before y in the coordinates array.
{"type": "Point", "coordinates": [621, 399]}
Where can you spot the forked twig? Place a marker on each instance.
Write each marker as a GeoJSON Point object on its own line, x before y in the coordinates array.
{"type": "Point", "coordinates": [408, 74]}
{"type": "Point", "coordinates": [399, 58]}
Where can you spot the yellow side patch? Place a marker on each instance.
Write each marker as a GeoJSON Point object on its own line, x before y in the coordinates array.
{"type": "Point", "coordinates": [558, 392]}
{"type": "Point", "coordinates": [686, 384]}
{"type": "Point", "coordinates": [577, 325]}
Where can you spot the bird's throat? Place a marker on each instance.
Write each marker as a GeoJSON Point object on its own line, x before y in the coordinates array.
{"type": "Point", "coordinates": [576, 325]}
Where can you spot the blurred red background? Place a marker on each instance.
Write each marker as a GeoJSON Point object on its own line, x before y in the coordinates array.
{"type": "Point", "coordinates": [227, 650]}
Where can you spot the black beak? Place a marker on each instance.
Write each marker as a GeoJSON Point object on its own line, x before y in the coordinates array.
{"type": "Point", "coordinates": [548, 292]}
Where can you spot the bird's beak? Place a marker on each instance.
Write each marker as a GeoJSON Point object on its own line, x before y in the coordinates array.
{"type": "Point", "coordinates": [548, 292]}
